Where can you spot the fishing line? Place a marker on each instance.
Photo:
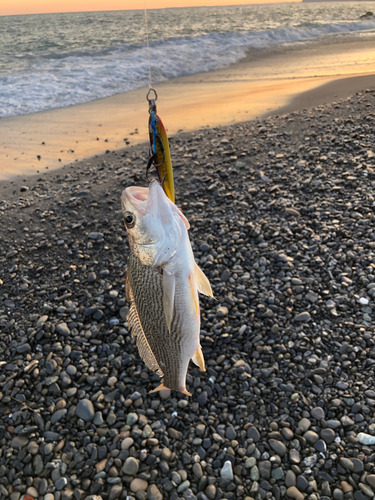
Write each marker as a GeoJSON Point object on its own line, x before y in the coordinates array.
{"type": "Point", "coordinates": [148, 49]}
{"type": "Point", "coordinates": [160, 155]}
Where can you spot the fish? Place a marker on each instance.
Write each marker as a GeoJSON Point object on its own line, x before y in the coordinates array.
{"type": "Point", "coordinates": [162, 285]}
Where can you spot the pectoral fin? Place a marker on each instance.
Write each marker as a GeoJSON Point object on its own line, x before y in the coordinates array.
{"type": "Point", "coordinates": [203, 284]}
{"type": "Point", "coordinates": [169, 286]}
{"type": "Point", "coordinates": [198, 359]}
{"type": "Point", "coordinates": [128, 288]}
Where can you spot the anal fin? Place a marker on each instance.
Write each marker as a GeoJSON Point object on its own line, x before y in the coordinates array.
{"type": "Point", "coordinates": [198, 359]}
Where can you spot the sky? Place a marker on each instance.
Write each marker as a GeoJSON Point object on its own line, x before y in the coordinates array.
{"type": "Point", "coordinates": [14, 7]}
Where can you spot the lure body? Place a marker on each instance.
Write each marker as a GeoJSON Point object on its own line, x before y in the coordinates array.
{"type": "Point", "coordinates": [161, 155]}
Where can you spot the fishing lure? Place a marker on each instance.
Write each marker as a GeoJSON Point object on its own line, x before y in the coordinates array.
{"type": "Point", "coordinates": [160, 153]}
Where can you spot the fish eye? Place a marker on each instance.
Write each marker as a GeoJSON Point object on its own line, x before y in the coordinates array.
{"type": "Point", "coordinates": [129, 220]}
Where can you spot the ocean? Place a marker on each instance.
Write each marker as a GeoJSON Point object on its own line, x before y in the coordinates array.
{"type": "Point", "coordinates": [56, 60]}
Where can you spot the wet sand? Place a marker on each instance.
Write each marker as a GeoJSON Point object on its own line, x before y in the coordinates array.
{"type": "Point", "coordinates": [254, 87]}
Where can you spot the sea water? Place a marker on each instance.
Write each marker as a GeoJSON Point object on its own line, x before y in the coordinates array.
{"type": "Point", "coordinates": [56, 60]}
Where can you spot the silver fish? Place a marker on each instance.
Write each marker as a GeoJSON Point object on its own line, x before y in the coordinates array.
{"type": "Point", "coordinates": [162, 285]}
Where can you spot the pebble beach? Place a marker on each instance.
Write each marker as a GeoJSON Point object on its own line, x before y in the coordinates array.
{"type": "Point", "coordinates": [282, 223]}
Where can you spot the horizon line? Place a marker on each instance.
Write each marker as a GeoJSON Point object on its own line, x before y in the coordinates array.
{"type": "Point", "coordinates": [158, 8]}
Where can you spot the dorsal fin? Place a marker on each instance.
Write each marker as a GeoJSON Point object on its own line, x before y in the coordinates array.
{"type": "Point", "coordinates": [202, 282]}
{"type": "Point", "coordinates": [186, 222]}
{"type": "Point", "coordinates": [134, 323]}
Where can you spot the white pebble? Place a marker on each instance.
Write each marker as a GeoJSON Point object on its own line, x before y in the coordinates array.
{"type": "Point", "coordinates": [227, 472]}
{"type": "Point", "coordinates": [364, 438]}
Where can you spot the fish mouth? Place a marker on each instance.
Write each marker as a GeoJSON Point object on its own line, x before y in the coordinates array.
{"type": "Point", "coordinates": [145, 200]}
{"type": "Point", "coordinates": [138, 198]}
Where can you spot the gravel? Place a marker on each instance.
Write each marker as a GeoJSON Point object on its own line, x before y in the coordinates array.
{"type": "Point", "coordinates": [282, 216]}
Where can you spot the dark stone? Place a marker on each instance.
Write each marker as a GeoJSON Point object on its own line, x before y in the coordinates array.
{"type": "Point", "coordinates": [253, 433]}
{"type": "Point", "coordinates": [302, 483]}
{"type": "Point", "coordinates": [328, 435]}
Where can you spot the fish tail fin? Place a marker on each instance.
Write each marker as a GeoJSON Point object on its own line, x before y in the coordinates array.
{"type": "Point", "coordinates": [184, 391]}
{"type": "Point", "coordinates": [160, 387]}
{"type": "Point", "coordinates": [198, 359]}
{"type": "Point", "coordinates": [163, 387]}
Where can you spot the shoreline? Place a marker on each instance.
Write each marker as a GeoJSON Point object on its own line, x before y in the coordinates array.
{"type": "Point", "coordinates": [249, 89]}
{"type": "Point", "coordinates": [328, 93]}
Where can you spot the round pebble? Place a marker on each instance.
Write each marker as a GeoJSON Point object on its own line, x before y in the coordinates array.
{"type": "Point", "coordinates": [138, 485]}
{"type": "Point", "coordinates": [85, 410]}
{"type": "Point", "coordinates": [131, 466]}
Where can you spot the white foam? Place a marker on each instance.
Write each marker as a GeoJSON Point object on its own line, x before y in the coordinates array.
{"type": "Point", "coordinates": [59, 81]}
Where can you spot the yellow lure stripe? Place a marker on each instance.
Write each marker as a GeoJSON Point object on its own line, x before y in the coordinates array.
{"type": "Point", "coordinates": [165, 170]}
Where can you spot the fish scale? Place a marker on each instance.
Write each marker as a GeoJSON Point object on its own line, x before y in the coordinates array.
{"type": "Point", "coordinates": [147, 288]}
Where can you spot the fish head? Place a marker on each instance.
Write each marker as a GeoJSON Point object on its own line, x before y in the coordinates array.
{"type": "Point", "coordinates": [155, 226]}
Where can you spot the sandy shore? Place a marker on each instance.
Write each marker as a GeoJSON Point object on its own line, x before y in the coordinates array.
{"type": "Point", "coordinates": [254, 87]}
